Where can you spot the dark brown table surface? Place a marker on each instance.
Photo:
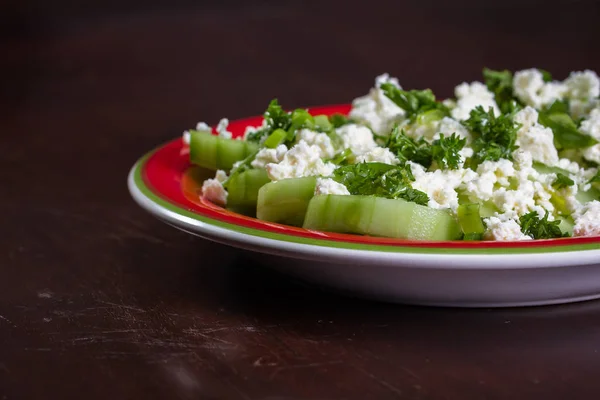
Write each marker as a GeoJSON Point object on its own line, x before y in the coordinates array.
{"type": "Point", "coordinates": [98, 300]}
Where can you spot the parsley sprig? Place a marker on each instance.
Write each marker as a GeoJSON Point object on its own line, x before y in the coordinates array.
{"type": "Point", "coordinates": [414, 102]}
{"type": "Point", "coordinates": [501, 84]}
{"type": "Point", "coordinates": [495, 136]}
{"type": "Point", "coordinates": [445, 151]}
{"type": "Point", "coordinates": [381, 180]}
{"type": "Point", "coordinates": [409, 149]}
{"type": "Point", "coordinates": [562, 181]}
{"type": "Point", "coordinates": [541, 228]}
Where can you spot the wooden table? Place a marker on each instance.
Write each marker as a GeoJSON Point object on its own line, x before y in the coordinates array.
{"type": "Point", "coordinates": [98, 300]}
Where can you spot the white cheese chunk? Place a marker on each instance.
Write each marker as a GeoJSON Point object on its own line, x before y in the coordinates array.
{"type": "Point", "coordinates": [319, 139]}
{"type": "Point", "coordinates": [266, 156]}
{"type": "Point", "coordinates": [301, 160]}
{"type": "Point", "coordinates": [222, 129]}
{"type": "Point", "coordinates": [357, 138]}
{"type": "Point", "coordinates": [587, 223]}
{"type": "Point", "coordinates": [329, 186]}
{"type": "Point", "coordinates": [535, 138]}
{"type": "Point", "coordinates": [378, 154]}
{"type": "Point", "coordinates": [530, 88]}
{"type": "Point", "coordinates": [213, 190]}
{"type": "Point", "coordinates": [469, 96]}
{"type": "Point", "coordinates": [509, 230]}
{"type": "Point", "coordinates": [376, 109]}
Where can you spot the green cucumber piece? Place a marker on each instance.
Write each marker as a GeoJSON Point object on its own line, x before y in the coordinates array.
{"type": "Point", "coordinates": [285, 201]}
{"type": "Point", "coordinates": [470, 221]}
{"type": "Point", "coordinates": [378, 216]}
{"type": "Point", "coordinates": [214, 152]}
{"type": "Point", "coordinates": [276, 138]}
{"type": "Point", "coordinates": [322, 123]}
{"type": "Point", "coordinates": [243, 190]}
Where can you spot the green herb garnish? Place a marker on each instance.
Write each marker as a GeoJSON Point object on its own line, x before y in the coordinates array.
{"type": "Point", "coordinates": [537, 228]}
{"type": "Point", "coordinates": [414, 102]}
{"type": "Point", "coordinates": [495, 137]}
{"type": "Point", "coordinates": [501, 84]}
{"type": "Point", "coordinates": [409, 149]}
{"type": "Point", "coordinates": [562, 181]}
{"type": "Point", "coordinates": [381, 180]}
{"type": "Point", "coordinates": [445, 151]}
{"type": "Point", "coordinates": [338, 120]}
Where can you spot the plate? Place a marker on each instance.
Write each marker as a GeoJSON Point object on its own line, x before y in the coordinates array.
{"type": "Point", "coordinates": [457, 274]}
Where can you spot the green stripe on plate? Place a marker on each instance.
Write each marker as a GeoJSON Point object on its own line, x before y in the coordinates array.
{"type": "Point", "coordinates": [337, 244]}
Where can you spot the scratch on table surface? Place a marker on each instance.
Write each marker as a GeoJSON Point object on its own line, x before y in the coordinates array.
{"type": "Point", "coordinates": [383, 383]}
{"type": "Point", "coordinates": [123, 306]}
{"type": "Point", "coordinates": [134, 233]}
{"type": "Point", "coordinates": [245, 328]}
{"type": "Point", "coordinates": [45, 294]}
{"type": "Point", "coordinates": [3, 318]}
{"type": "Point", "coordinates": [300, 366]}
{"type": "Point", "coordinates": [260, 362]}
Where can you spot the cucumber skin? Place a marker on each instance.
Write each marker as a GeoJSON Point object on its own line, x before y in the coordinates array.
{"type": "Point", "coordinates": [243, 191]}
{"type": "Point", "coordinates": [214, 152]}
{"type": "Point", "coordinates": [350, 215]}
{"type": "Point", "coordinates": [285, 201]}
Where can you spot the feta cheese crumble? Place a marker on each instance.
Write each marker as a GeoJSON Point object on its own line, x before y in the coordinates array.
{"type": "Point", "coordinates": [587, 223]}
{"type": "Point", "coordinates": [535, 138]}
{"type": "Point", "coordinates": [376, 110]}
{"type": "Point", "coordinates": [222, 129]}
{"type": "Point", "coordinates": [301, 160]}
{"type": "Point", "coordinates": [470, 96]}
{"type": "Point", "coordinates": [213, 190]}
{"type": "Point", "coordinates": [509, 230]}
{"type": "Point", "coordinates": [329, 186]}
{"type": "Point", "coordinates": [267, 156]}
{"type": "Point", "coordinates": [357, 138]}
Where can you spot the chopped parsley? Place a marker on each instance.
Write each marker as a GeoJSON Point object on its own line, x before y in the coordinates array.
{"type": "Point", "coordinates": [495, 137]}
{"type": "Point", "coordinates": [409, 149]}
{"type": "Point", "coordinates": [445, 151]}
{"type": "Point", "coordinates": [501, 84]}
{"type": "Point", "coordinates": [562, 181]}
{"type": "Point", "coordinates": [381, 180]}
{"type": "Point", "coordinates": [338, 120]}
{"type": "Point", "coordinates": [277, 118]}
{"type": "Point", "coordinates": [414, 102]}
{"type": "Point", "coordinates": [537, 228]}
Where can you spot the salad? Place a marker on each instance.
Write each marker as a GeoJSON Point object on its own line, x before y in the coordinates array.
{"type": "Point", "coordinates": [515, 157]}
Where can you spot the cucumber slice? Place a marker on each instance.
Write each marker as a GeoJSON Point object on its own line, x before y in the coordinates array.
{"type": "Point", "coordinates": [214, 152]}
{"type": "Point", "coordinates": [340, 213]}
{"type": "Point", "coordinates": [379, 216]}
{"type": "Point", "coordinates": [470, 221]}
{"type": "Point", "coordinates": [276, 138]}
{"type": "Point", "coordinates": [285, 201]}
{"type": "Point", "coordinates": [243, 190]}
{"type": "Point", "coordinates": [322, 122]}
